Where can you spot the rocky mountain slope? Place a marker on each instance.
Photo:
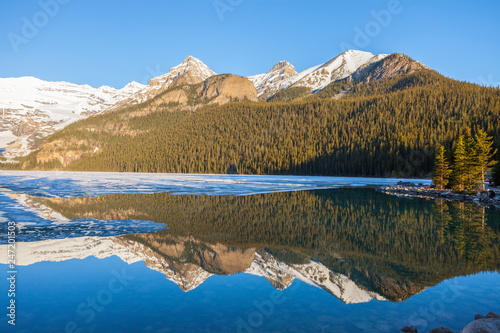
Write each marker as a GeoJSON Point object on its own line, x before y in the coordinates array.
{"type": "Point", "coordinates": [392, 65]}
{"type": "Point", "coordinates": [31, 108]}
{"type": "Point", "coordinates": [218, 89]}
{"type": "Point", "coordinates": [283, 75]}
{"type": "Point", "coordinates": [264, 83]}
{"type": "Point", "coordinates": [191, 71]}
{"type": "Point", "coordinates": [142, 118]}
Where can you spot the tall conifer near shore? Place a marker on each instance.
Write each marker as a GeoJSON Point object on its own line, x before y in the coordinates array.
{"type": "Point", "coordinates": [442, 170]}
{"type": "Point", "coordinates": [471, 166]}
{"type": "Point", "coordinates": [459, 176]}
{"type": "Point", "coordinates": [483, 156]}
{"type": "Point", "coordinates": [472, 158]}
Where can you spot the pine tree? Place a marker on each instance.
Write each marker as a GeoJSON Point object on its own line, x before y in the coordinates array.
{"type": "Point", "coordinates": [459, 175]}
{"type": "Point", "coordinates": [442, 170]}
{"type": "Point", "coordinates": [483, 154]}
{"type": "Point", "coordinates": [471, 170]}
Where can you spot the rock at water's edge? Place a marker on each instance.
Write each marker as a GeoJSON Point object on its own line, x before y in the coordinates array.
{"type": "Point", "coordinates": [409, 329]}
{"type": "Point", "coordinates": [441, 330]}
{"type": "Point", "coordinates": [484, 325]}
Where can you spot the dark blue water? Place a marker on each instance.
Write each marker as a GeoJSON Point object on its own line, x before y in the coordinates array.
{"type": "Point", "coordinates": [55, 296]}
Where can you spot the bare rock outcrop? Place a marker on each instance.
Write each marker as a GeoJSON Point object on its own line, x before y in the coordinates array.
{"type": "Point", "coordinates": [225, 88]}
{"type": "Point", "coordinates": [390, 66]}
{"type": "Point", "coordinates": [488, 324]}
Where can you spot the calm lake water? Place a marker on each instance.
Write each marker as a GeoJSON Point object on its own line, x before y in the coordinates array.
{"type": "Point", "coordinates": [204, 253]}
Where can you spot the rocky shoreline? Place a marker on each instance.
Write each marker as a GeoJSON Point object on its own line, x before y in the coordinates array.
{"type": "Point", "coordinates": [488, 198]}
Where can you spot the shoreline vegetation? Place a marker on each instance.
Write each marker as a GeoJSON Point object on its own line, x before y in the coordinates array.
{"type": "Point", "coordinates": [465, 170]}
{"type": "Point", "coordinates": [489, 198]}
{"type": "Point", "coordinates": [459, 174]}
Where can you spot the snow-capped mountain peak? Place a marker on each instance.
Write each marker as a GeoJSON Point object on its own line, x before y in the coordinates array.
{"type": "Point", "coordinates": [315, 78]}
{"type": "Point", "coordinates": [280, 66]}
{"type": "Point", "coordinates": [32, 108]}
{"type": "Point", "coordinates": [191, 70]}
{"type": "Point", "coordinates": [264, 82]}
{"type": "Point", "coordinates": [338, 68]}
{"type": "Point", "coordinates": [134, 86]}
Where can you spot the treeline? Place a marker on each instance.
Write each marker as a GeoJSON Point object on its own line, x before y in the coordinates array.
{"type": "Point", "coordinates": [470, 161]}
{"type": "Point", "coordinates": [290, 94]}
{"type": "Point", "coordinates": [384, 128]}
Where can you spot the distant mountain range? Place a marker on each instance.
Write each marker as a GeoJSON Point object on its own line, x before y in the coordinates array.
{"type": "Point", "coordinates": [32, 108]}
{"type": "Point", "coordinates": [358, 114]}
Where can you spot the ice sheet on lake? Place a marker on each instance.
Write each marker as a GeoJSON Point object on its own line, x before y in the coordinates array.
{"type": "Point", "coordinates": [38, 223]}
{"type": "Point", "coordinates": [73, 184]}
{"type": "Point", "coordinates": [41, 223]}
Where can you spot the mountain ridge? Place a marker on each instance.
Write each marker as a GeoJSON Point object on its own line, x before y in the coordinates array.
{"type": "Point", "coordinates": [21, 129]}
{"type": "Point", "coordinates": [381, 101]}
{"type": "Point", "coordinates": [314, 78]}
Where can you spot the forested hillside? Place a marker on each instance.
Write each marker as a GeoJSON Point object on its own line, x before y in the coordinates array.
{"type": "Point", "coordinates": [388, 127]}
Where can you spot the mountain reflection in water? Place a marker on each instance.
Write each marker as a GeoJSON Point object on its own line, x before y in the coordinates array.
{"type": "Point", "coordinates": [357, 244]}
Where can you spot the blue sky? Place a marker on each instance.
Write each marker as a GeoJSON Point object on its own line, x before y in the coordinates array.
{"type": "Point", "coordinates": [113, 42]}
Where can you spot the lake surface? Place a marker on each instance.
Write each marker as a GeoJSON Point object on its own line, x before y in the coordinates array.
{"type": "Point", "coordinates": [106, 252]}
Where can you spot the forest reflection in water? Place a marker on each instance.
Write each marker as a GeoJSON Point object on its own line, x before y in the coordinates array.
{"type": "Point", "coordinates": [390, 247]}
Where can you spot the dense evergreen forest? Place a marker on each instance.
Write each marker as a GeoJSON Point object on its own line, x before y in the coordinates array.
{"type": "Point", "coordinates": [358, 232]}
{"type": "Point", "coordinates": [390, 127]}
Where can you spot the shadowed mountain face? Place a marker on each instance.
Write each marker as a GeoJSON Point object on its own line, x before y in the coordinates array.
{"type": "Point", "coordinates": [380, 246]}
